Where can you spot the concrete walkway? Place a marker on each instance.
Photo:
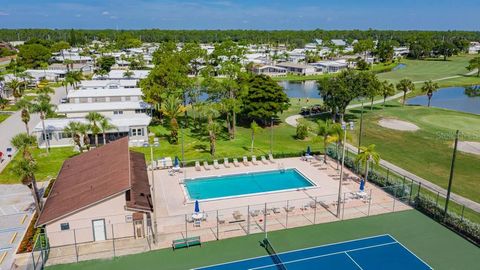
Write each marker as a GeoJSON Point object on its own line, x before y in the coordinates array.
{"type": "Point", "coordinates": [292, 120]}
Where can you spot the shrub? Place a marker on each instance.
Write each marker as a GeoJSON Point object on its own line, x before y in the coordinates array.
{"type": "Point", "coordinates": [302, 131]}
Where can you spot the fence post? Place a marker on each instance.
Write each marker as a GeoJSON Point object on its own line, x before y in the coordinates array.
{"type": "Point", "coordinates": [75, 241]}
{"type": "Point", "coordinates": [463, 209]}
{"type": "Point", "coordinates": [286, 217]}
{"type": "Point", "coordinates": [218, 235]}
{"type": "Point", "coordinates": [388, 173]}
{"type": "Point", "coordinates": [315, 211]}
{"type": "Point", "coordinates": [436, 200]}
{"type": "Point", "coordinates": [343, 205]}
{"type": "Point", "coordinates": [411, 191]}
{"type": "Point", "coordinates": [186, 227]}
{"type": "Point", "coordinates": [419, 188]}
{"type": "Point", "coordinates": [394, 198]}
{"type": "Point", "coordinates": [113, 241]}
{"type": "Point", "coordinates": [369, 202]}
{"type": "Point", "coordinates": [403, 186]}
{"type": "Point", "coordinates": [265, 220]}
{"type": "Point", "coordinates": [33, 259]}
{"type": "Point", "coordinates": [248, 219]}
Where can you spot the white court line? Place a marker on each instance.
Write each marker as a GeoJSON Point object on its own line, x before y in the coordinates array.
{"type": "Point", "coordinates": [354, 261]}
{"type": "Point", "coordinates": [295, 250]}
{"type": "Point", "coordinates": [410, 252]}
{"type": "Point", "coordinates": [326, 255]}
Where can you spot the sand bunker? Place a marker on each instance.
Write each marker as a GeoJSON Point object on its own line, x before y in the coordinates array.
{"type": "Point", "coordinates": [469, 147]}
{"type": "Point", "coordinates": [397, 125]}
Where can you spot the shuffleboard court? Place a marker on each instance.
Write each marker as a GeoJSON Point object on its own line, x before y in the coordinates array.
{"type": "Point", "coordinates": [372, 253]}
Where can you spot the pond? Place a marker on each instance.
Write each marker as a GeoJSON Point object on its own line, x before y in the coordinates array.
{"type": "Point", "coordinates": [399, 66]}
{"type": "Point", "coordinates": [300, 89]}
{"type": "Point", "coordinates": [452, 98]}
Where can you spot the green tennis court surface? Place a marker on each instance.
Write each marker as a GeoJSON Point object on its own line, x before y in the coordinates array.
{"type": "Point", "coordinates": [434, 244]}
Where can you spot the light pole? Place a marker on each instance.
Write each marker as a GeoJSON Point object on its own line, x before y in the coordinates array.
{"type": "Point", "coordinates": [451, 174]}
{"type": "Point", "coordinates": [271, 135]}
{"type": "Point", "coordinates": [361, 129]}
{"type": "Point", "coordinates": [155, 229]}
{"type": "Point", "coordinates": [344, 128]}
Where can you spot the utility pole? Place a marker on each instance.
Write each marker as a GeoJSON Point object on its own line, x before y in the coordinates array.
{"type": "Point", "coordinates": [361, 130]}
{"type": "Point", "coordinates": [345, 128]}
{"type": "Point", "coordinates": [451, 174]}
{"type": "Point", "coordinates": [155, 229]}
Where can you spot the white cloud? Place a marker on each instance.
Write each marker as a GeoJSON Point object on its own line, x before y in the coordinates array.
{"type": "Point", "coordinates": [3, 13]}
{"type": "Point", "coordinates": [105, 13]}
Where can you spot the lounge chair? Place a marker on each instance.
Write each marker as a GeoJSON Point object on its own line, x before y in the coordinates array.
{"type": "Point", "coordinates": [270, 158]}
{"type": "Point", "coordinates": [254, 160]}
{"type": "Point", "coordinates": [276, 210]}
{"type": "Point", "coordinates": [168, 162]}
{"type": "Point", "coordinates": [226, 163]}
{"type": "Point", "coordinates": [254, 213]}
{"type": "Point", "coordinates": [215, 164]}
{"type": "Point", "coordinates": [197, 166]}
{"type": "Point", "coordinates": [264, 160]}
{"type": "Point", "coordinates": [206, 166]}
{"type": "Point", "coordinates": [289, 209]}
{"type": "Point", "coordinates": [245, 161]}
{"type": "Point", "coordinates": [235, 162]}
{"type": "Point", "coordinates": [237, 215]}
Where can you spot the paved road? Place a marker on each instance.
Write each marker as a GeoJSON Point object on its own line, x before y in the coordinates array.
{"type": "Point", "coordinates": [292, 120]}
{"type": "Point", "coordinates": [13, 125]}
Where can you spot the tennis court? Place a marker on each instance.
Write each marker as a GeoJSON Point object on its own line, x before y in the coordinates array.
{"type": "Point", "coordinates": [377, 252]}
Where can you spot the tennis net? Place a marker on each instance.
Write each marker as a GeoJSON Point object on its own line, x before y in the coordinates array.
{"type": "Point", "coordinates": [273, 254]}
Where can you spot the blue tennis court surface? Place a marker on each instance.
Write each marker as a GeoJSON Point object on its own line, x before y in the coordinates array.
{"type": "Point", "coordinates": [378, 252]}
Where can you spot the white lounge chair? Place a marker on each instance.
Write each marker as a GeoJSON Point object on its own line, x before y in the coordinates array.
{"type": "Point", "coordinates": [168, 162]}
{"type": "Point", "coordinates": [245, 161]}
{"type": "Point", "coordinates": [264, 160]}
{"type": "Point", "coordinates": [235, 162]}
{"type": "Point", "coordinates": [270, 158]}
{"type": "Point", "coordinates": [206, 166]}
{"type": "Point", "coordinates": [215, 164]}
{"type": "Point", "coordinates": [254, 160]}
{"type": "Point", "coordinates": [197, 166]}
{"type": "Point", "coordinates": [226, 163]}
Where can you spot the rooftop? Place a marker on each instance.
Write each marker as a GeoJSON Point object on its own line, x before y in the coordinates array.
{"type": "Point", "coordinates": [100, 106]}
{"type": "Point", "coordinates": [119, 92]}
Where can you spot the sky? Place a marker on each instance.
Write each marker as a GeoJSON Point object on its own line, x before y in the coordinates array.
{"type": "Point", "coordinates": [246, 14]}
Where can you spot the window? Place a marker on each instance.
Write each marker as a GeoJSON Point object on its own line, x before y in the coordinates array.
{"type": "Point", "coordinates": [140, 111]}
{"type": "Point", "coordinates": [99, 99]}
{"type": "Point", "coordinates": [117, 112]}
{"type": "Point", "coordinates": [83, 100]}
{"type": "Point", "coordinates": [49, 136]}
{"type": "Point", "coordinates": [127, 98]}
{"type": "Point", "coordinates": [64, 135]}
{"type": "Point", "coordinates": [64, 226]}
{"type": "Point", "coordinates": [136, 132]}
{"type": "Point", "coordinates": [115, 99]}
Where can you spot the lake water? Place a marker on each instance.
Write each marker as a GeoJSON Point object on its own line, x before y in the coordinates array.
{"type": "Point", "coordinates": [399, 66]}
{"type": "Point", "coordinates": [302, 89]}
{"type": "Point", "coordinates": [452, 98]}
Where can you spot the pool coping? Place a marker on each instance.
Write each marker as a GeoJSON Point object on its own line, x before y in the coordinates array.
{"type": "Point", "coordinates": [189, 200]}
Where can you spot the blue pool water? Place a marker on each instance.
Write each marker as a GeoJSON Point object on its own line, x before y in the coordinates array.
{"type": "Point", "coordinates": [244, 184]}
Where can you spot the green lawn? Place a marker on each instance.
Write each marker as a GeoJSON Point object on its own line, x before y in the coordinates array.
{"type": "Point", "coordinates": [428, 151]}
{"type": "Point", "coordinates": [433, 243]}
{"type": "Point", "coordinates": [421, 70]}
{"type": "Point", "coordinates": [3, 117]}
{"type": "Point", "coordinates": [48, 165]}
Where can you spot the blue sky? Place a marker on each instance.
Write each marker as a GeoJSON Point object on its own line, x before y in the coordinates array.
{"type": "Point", "coordinates": [247, 14]}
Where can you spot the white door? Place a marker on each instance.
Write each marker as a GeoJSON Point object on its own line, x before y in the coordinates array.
{"type": "Point", "coordinates": [99, 229]}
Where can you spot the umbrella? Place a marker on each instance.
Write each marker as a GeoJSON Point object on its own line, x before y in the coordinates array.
{"type": "Point", "coordinates": [308, 150]}
{"type": "Point", "coordinates": [362, 185]}
{"type": "Point", "coordinates": [176, 162]}
{"type": "Point", "coordinates": [197, 207]}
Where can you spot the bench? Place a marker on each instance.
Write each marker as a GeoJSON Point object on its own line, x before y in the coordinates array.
{"type": "Point", "coordinates": [186, 242]}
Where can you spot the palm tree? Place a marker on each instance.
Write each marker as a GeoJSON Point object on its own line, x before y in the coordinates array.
{"type": "Point", "coordinates": [337, 138]}
{"type": "Point", "coordinates": [429, 87]}
{"type": "Point", "coordinates": [473, 64]}
{"type": "Point", "coordinates": [68, 81]}
{"type": "Point", "coordinates": [255, 129]}
{"type": "Point", "coordinates": [101, 72]}
{"type": "Point", "coordinates": [25, 106]}
{"type": "Point", "coordinates": [128, 74]}
{"type": "Point", "coordinates": [3, 103]}
{"type": "Point", "coordinates": [405, 85]}
{"type": "Point", "coordinates": [25, 167]}
{"type": "Point", "coordinates": [327, 131]}
{"type": "Point", "coordinates": [73, 128]}
{"type": "Point", "coordinates": [105, 126]}
{"type": "Point", "coordinates": [367, 154]}
{"type": "Point", "coordinates": [16, 87]}
{"type": "Point", "coordinates": [387, 89]}
{"type": "Point", "coordinates": [173, 108]}
{"type": "Point", "coordinates": [43, 106]}
{"type": "Point", "coordinates": [94, 118]}
{"type": "Point", "coordinates": [84, 129]}
{"type": "Point", "coordinates": [77, 77]}
{"type": "Point", "coordinates": [213, 129]}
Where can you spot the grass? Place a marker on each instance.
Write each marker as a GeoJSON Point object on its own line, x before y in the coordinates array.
{"type": "Point", "coordinates": [438, 246]}
{"type": "Point", "coordinates": [48, 165]}
{"type": "Point", "coordinates": [434, 69]}
{"type": "Point", "coordinates": [3, 117]}
{"type": "Point", "coordinates": [428, 151]}
{"type": "Point", "coordinates": [14, 106]}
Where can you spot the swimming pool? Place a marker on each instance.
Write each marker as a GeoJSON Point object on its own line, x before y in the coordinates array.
{"type": "Point", "coordinates": [224, 186]}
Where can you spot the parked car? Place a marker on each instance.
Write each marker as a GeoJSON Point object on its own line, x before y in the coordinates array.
{"type": "Point", "coordinates": [305, 111]}
{"type": "Point", "coordinates": [64, 100]}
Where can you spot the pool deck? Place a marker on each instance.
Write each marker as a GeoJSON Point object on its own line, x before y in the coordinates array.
{"type": "Point", "coordinates": [243, 215]}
